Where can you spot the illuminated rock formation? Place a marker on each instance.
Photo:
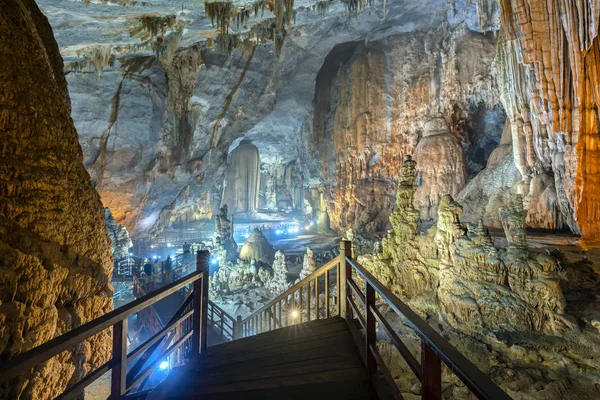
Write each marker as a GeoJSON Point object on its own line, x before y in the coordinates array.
{"type": "Point", "coordinates": [309, 265]}
{"type": "Point", "coordinates": [258, 249]}
{"type": "Point", "coordinates": [378, 107]}
{"type": "Point", "coordinates": [225, 245]}
{"type": "Point", "coordinates": [121, 242]}
{"type": "Point", "coordinates": [242, 181]}
{"type": "Point", "coordinates": [55, 254]}
{"type": "Point", "coordinates": [475, 286]}
{"type": "Point", "coordinates": [279, 283]}
{"type": "Point", "coordinates": [441, 167]}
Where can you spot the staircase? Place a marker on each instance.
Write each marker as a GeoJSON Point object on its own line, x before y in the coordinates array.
{"type": "Point", "coordinates": [319, 338]}
{"type": "Point", "coordinates": [317, 359]}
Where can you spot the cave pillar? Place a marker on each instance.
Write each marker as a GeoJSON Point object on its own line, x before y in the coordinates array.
{"type": "Point", "coordinates": [242, 183]}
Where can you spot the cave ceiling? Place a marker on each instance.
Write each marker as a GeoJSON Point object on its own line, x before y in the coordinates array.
{"type": "Point", "coordinates": [156, 127]}
{"type": "Point", "coordinates": [82, 27]}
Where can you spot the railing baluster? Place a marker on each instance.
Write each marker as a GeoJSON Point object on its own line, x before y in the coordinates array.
{"type": "Point", "coordinates": [300, 305]}
{"type": "Point", "coordinates": [327, 293]}
{"type": "Point", "coordinates": [370, 333]}
{"type": "Point", "coordinates": [308, 301]}
{"type": "Point", "coordinates": [318, 316]}
{"type": "Point", "coordinates": [279, 305]}
{"type": "Point", "coordinates": [431, 377]}
{"type": "Point", "coordinates": [119, 355]}
{"type": "Point", "coordinates": [346, 273]}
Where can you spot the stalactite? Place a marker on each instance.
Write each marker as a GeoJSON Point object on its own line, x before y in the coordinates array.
{"type": "Point", "coordinates": [220, 13]}
{"type": "Point", "coordinates": [96, 58]}
{"type": "Point", "coordinates": [153, 25]}
{"type": "Point", "coordinates": [556, 41]}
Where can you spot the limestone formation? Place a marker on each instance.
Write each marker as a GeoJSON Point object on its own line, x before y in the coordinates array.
{"type": "Point", "coordinates": [279, 283]}
{"type": "Point", "coordinates": [121, 242]}
{"type": "Point", "coordinates": [309, 265]}
{"type": "Point", "coordinates": [55, 253]}
{"type": "Point", "coordinates": [441, 167]}
{"type": "Point", "coordinates": [225, 245]}
{"type": "Point", "coordinates": [242, 182]}
{"type": "Point", "coordinates": [258, 249]}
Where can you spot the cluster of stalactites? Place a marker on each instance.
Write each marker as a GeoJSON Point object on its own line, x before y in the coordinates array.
{"type": "Point", "coordinates": [96, 58]}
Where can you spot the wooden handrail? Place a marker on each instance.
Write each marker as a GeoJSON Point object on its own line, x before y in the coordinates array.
{"type": "Point", "coordinates": [434, 347]}
{"type": "Point", "coordinates": [320, 271]}
{"type": "Point", "coordinates": [117, 319]}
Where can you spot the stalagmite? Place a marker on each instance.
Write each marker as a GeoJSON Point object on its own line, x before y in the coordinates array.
{"type": "Point", "coordinates": [258, 249]}
{"type": "Point", "coordinates": [441, 166]}
{"type": "Point", "coordinates": [242, 182]}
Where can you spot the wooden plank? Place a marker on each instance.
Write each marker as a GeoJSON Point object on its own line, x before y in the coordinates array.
{"type": "Point", "coordinates": [338, 344]}
{"type": "Point", "coordinates": [318, 376]}
{"type": "Point", "coordinates": [344, 390]}
{"type": "Point", "coordinates": [279, 337]}
{"type": "Point", "coordinates": [268, 347]}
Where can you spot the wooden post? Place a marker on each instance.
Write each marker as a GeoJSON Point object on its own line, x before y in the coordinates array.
{"type": "Point", "coordinates": [200, 305]}
{"type": "Point", "coordinates": [431, 378]}
{"type": "Point", "coordinates": [118, 382]}
{"type": "Point", "coordinates": [237, 328]}
{"type": "Point", "coordinates": [370, 332]}
{"type": "Point", "coordinates": [203, 264]}
{"type": "Point", "coordinates": [344, 274]}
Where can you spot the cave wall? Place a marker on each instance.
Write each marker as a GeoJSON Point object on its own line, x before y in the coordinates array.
{"type": "Point", "coordinates": [375, 108]}
{"type": "Point", "coordinates": [549, 65]}
{"type": "Point", "coordinates": [55, 253]}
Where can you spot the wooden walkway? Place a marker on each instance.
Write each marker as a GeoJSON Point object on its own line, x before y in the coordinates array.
{"type": "Point", "coordinates": [314, 360]}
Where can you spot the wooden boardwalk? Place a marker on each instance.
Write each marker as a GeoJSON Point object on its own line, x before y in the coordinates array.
{"type": "Point", "coordinates": [314, 360]}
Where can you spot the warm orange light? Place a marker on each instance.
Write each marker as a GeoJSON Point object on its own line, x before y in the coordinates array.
{"type": "Point", "coordinates": [295, 314]}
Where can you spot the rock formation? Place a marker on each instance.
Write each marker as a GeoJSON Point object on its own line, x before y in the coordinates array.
{"type": "Point", "coordinates": [309, 265]}
{"type": "Point", "coordinates": [225, 245]}
{"type": "Point", "coordinates": [279, 283]}
{"type": "Point", "coordinates": [441, 167]}
{"type": "Point", "coordinates": [121, 242]}
{"type": "Point", "coordinates": [242, 181]}
{"type": "Point", "coordinates": [258, 249]}
{"type": "Point", "coordinates": [55, 256]}
{"type": "Point", "coordinates": [487, 296]}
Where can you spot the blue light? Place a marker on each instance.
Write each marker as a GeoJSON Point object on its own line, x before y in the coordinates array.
{"type": "Point", "coordinates": [213, 260]}
{"type": "Point", "coordinates": [246, 235]}
{"type": "Point", "coordinates": [278, 232]}
{"type": "Point", "coordinates": [164, 365]}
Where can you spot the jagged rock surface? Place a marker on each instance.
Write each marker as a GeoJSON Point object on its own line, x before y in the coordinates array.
{"type": "Point", "coordinates": [121, 242]}
{"type": "Point", "coordinates": [490, 298]}
{"type": "Point", "coordinates": [55, 254]}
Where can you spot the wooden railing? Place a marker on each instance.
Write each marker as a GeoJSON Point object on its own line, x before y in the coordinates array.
{"type": "Point", "coordinates": [359, 308]}
{"type": "Point", "coordinates": [302, 302]}
{"type": "Point", "coordinates": [190, 321]}
{"type": "Point", "coordinates": [222, 322]}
